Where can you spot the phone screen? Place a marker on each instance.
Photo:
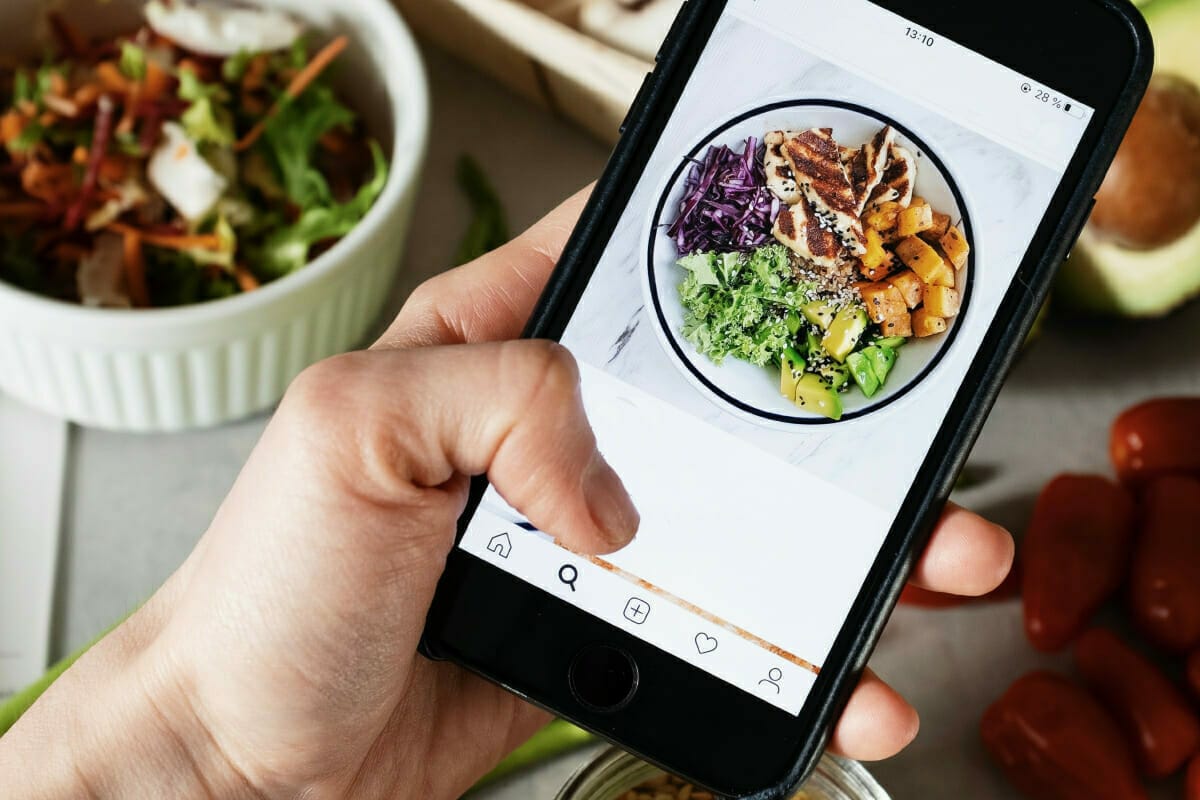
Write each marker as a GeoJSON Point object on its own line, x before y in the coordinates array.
{"type": "Point", "coordinates": [787, 309]}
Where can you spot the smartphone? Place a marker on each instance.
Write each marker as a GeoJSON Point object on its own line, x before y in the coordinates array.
{"type": "Point", "coordinates": [793, 298]}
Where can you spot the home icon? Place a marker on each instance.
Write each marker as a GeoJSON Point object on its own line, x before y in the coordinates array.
{"type": "Point", "coordinates": [501, 545]}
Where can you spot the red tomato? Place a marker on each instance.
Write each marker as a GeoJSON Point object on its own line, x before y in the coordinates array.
{"type": "Point", "coordinates": [1193, 673]}
{"type": "Point", "coordinates": [1156, 717]}
{"type": "Point", "coordinates": [1157, 438]}
{"type": "Point", "coordinates": [1165, 584]}
{"type": "Point", "coordinates": [1054, 742]}
{"type": "Point", "coordinates": [1192, 788]}
{"type": "Point", "coordinates": [1075, 556]}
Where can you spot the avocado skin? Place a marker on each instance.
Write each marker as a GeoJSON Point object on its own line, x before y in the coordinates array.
{"type": "Point", "coordinates": [1104, 279]}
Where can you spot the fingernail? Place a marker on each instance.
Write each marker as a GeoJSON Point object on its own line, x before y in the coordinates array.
{"type": "Point", "coordinates": [610, 505]}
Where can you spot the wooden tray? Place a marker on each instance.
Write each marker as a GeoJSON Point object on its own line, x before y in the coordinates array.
{"type": "Point", "coordinates": [533, 47]}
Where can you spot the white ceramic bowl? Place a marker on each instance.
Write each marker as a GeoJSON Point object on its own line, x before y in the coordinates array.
{"type": "Point", "coordinates": [740, 387]}
{"type": "Point", "coordinates": [195, 366]}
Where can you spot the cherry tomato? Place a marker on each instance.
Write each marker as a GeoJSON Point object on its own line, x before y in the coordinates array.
{"type": "Point", "coordinates": [1165, 584]}
{"type": "Point", "coordinates": [1054, 742]}
{"type": "Point", "coordinates": [1075, 555]}
{"type": "Point", "coordinates": [1192, 785]}
{"type": "Point", "coordinates": [1157, 438]}
{"type": "Point", "coordinates": [1156, 717]}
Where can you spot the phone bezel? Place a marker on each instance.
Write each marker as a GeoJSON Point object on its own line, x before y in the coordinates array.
{"type": "Point", "coordinates": [683, 719]}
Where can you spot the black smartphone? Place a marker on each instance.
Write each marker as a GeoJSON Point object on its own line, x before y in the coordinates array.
{"type": "Point", "coordinates": [793, 297]}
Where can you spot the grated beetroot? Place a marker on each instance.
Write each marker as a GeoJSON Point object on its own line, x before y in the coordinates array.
{"type": "Point", "coordinates": [727, 206]}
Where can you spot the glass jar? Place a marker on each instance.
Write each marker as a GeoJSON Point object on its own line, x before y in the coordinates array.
{"type": "Point", "coordinates": [615, 772]}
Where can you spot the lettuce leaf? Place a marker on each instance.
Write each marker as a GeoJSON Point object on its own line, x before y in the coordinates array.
{"type": "Point", "coordinates": [286, 250]}
{"type": "Point", "coordinates": [292, 138]}
{"type": "Point", "coordinates": [207, 120]}
{"type": "Point", "coordinates": [738, 304]}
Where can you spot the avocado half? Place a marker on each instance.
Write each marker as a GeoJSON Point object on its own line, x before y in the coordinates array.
{"type": "Point", "coordinates": [1106, 278]}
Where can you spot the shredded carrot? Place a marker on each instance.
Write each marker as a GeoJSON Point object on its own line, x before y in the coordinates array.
{"type": "Point", "coordinates": [245, 279]}
{"type": "Point", "coordinates": [204, 241]}
{"type": "Point", "coordinates": [135, 269]}
{"type": "Point", "coordinates": [157, 82]}
{"type": "Point", "coordinates": [304, 78]}
{"type": "Point", "coordinates": [129, 117]}
{"type": "Point", "coordinates": [12, 125]}
{"type": "Point", "coordinates": [111, 79]}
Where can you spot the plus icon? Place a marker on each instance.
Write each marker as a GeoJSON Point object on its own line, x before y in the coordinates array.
{"type": "Point", "coordinates": [636, 610]}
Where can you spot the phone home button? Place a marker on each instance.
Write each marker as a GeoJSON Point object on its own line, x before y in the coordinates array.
{"type": "Point", "coordinates": [603, 678]}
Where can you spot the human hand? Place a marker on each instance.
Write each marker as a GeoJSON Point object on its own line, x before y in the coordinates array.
{"type": "Point", "coordinates": [280, 660]}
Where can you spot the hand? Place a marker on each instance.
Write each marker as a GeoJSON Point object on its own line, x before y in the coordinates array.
{"type": "Point", "coordinates": [280, 660]}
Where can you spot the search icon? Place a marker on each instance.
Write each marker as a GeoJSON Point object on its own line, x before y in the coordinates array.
{"type": "Point", "coordinates": [568, 575]}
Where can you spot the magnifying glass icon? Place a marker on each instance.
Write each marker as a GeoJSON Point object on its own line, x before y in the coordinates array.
{"type": "Point", "coordinates": [568, 575]}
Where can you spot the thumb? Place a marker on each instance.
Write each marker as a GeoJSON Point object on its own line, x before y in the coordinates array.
{"type": "Point", "coordinates": [512, 410]}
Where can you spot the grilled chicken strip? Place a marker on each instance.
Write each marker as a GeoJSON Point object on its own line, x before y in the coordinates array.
{"type": "Point", "coordinates": [899, 179]}
{"type": "Point", "coordinates": [779, 175]}
{"type": "Point", "coordinates": [816, 162]}
{"type": "Point", "coordinates": [807, 235]}
{"type": "Point", "coordinates": [866, 168]}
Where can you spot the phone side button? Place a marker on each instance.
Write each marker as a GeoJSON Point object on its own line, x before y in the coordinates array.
{"type": "Point", "coordinates": [603, 678]}
{"type": "Point", "coordinates": [637, 102]}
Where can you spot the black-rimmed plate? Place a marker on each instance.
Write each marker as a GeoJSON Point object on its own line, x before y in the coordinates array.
{"type": "Point", "coordinates": [754, 391]}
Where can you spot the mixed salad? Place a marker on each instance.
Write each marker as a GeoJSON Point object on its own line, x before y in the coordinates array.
{"type": "Point", "coordinates": [815, 260]}
{"type": "Point", "coordinates": [195, 158]}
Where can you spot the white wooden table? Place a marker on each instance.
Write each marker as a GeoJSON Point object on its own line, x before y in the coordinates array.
{"type": "Point", "coordinates": [136, 505]}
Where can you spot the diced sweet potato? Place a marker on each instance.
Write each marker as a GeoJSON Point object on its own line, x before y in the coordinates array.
{"type": "Point", "coordinates": [898, 326]}
{"type": "Point", "coordinates": [880, 272]}
{"type": "Point", "coordinates": [885, 216]}
{"type": "Point", "coordinates": [876, 262]}
{"type": "Point", "coordinates": [926, 324]}
{"type": "Point", "coordinates": [914, 220]}
{"type": "Point", "coordinates": [919, 256]}
{"type": "Point", "coordinates": [884, 302]}
{"type": "Point", "coordinates": [912, 289]}
{"type": "Point", "coordinates": [941, 226]}
{"type": "Point", "coordinates": [956, 248]}
{"type": "Point", "coordinates": [942, 301]}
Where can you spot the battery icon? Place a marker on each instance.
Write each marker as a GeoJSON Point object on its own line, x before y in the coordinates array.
{"type": "Point", "coordinates": [1075, 111]}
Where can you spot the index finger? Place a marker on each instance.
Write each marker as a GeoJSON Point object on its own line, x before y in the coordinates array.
{"type": "Point", "coordinates": [490, 299]}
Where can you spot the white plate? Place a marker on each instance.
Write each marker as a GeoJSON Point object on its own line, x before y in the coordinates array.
{"type": "Point", "coordinates": [741, 387]}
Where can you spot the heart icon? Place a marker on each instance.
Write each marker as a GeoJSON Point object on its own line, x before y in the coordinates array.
{"type": "Point", "coordinates": [705, 643]}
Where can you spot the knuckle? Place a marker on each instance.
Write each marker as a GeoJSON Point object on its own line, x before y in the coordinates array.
{"type": "Point", "coordinates": [550, 368]}
{"type": "Point", "coordinates": [323, 389]}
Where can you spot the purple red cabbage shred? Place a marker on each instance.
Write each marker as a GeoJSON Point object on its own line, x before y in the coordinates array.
{"type": "Point", "coordinates": [727, 206]}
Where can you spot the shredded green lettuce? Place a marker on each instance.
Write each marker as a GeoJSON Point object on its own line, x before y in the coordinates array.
{"type": "Point", "coordinates": [133, 61]}
{"type": "Point", "coordinates": [737, 305]}
{"type": "Point", "coordinates": [292, 138]}
{"type": "Point", "coordinates": [207, 120]}
{"type": "Point", "coordinates": [286, 250]}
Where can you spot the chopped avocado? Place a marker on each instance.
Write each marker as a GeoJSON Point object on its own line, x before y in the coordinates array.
{"type": "Point", "coordinates": [843, 336]}
{"type": "Point", "coordinates": [891, 342]}
{"type": "Point", "coordinates": [836, 375]}
{"type": "Point", "coordinates": [817, 396]}
{"type": "Point", "coordinates": [820, 314]}
{"type": "Point", "coordinates": [863, 373]}
{"type": "Point", "coordinates": [790, 373]}
{"type": "Point", "coordinates": [1103, 277]}
{"type": "Point", "coordinates": [882, 360]}
{"type": "Point", "coordinates": [813, 342]}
